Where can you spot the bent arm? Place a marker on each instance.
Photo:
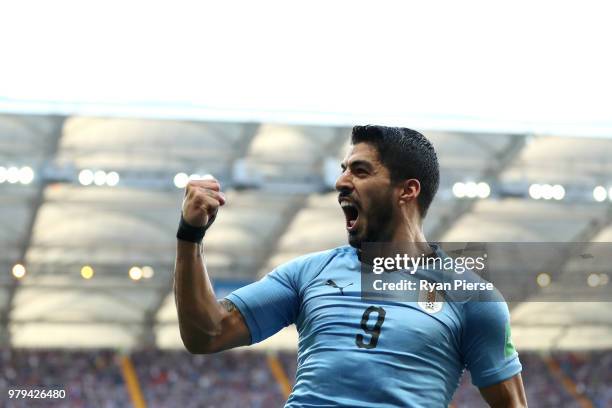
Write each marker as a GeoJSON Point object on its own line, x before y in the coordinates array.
{"type": "Point", "coordinates": [506, 394]}
{"type": "Point", "coordinates": [206, 325]}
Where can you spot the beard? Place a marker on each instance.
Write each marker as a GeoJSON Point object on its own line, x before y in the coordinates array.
{"type": "Point", "coordinates": [379, 224]}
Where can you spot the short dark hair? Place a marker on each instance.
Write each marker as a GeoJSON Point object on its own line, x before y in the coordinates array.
{"type": "Point", "coordinates": [407, 154]}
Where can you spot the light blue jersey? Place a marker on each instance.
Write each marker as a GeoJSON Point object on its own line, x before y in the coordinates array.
{"type": "Point", "coordinates": [360, 353]}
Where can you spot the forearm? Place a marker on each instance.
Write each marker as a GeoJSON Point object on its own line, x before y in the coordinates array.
{"type": "Point", "coordinates": [199, 313]}
{"type": "Point", "coordinates": [507, 394]}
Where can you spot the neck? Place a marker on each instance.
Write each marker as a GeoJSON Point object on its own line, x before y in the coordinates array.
{"type": "Point", "coordinates": [405, 240]}
{"type": "Point", "coordinates": [410, 239]}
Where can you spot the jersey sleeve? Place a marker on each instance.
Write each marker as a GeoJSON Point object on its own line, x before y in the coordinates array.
{"type": "Point", "coordinates": [486, 343]}
{"type": "Point", "coordinates": [271, 303]}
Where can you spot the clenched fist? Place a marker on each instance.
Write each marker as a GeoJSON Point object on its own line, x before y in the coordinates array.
{"type": "Point", "coordinates": [201, 202]}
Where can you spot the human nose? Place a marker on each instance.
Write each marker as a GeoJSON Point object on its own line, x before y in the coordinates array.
{"type": "Point", "coordinates": [344, 182]}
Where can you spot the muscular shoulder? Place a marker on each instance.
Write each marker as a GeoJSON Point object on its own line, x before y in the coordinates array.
{"type": "Point", "coordinates": [486, 313]}
{"type": "Point", "coordinates": [482, 306]}
{"type": "Point", "coordinates": [304, 268]}
{"type": "Point", "coordinates": [322, 256]}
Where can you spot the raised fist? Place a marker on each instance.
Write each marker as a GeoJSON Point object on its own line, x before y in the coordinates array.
{"type": "Point", "coordinates": [202, 201]}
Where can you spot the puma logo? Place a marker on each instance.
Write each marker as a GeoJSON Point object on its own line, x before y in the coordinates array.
{"type": "Point", "coordinates": [335, 285]}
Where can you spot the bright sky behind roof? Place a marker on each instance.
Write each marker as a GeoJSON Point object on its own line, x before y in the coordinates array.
{"type": "Point", "coordinates": [535, 66]}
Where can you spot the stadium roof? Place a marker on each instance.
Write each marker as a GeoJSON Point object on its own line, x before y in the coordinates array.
{"type": "Point", "coordinates": [467, 68]}
{"type": "Point", "coordinates": [280, 204]}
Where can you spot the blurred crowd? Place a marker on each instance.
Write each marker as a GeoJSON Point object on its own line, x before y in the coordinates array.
{"type": "Point", "coordinates": [231, 379]}
{"type": "Point", "coordinates": [243, 379]}
{"type": "Point", "coordinates": [592, 373]}
{"type": "Point", "coordinates": [90, 379]}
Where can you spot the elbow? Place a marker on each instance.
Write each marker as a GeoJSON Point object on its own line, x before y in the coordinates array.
{"type": "Point", "coordinates": [196, 340]}
{"type": "Point", "coordinates": [197, 345]}
{"type": "Point", "coordinates": [199, 335]}
{"type": "Point", "coordinates": [197, 348]}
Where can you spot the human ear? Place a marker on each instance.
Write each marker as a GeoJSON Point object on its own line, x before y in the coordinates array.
{"type": "Point", "coordinates": [410, 190]}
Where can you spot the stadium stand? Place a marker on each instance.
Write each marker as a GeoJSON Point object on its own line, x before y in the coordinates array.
{"type": "Point", "coordinates": [243, 379]}
{"type": "Point", "coordinates": [279, 182]}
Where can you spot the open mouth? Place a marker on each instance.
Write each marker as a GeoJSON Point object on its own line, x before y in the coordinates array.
{"type": "Point", "coordinates": [351, 213]}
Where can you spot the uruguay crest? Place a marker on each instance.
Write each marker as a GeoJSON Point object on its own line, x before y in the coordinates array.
{"type": "Point", "coordinates": [431, 301]}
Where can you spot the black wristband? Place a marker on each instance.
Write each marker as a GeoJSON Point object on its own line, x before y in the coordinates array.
{"type": "Point", "coordinates": [190, 233]}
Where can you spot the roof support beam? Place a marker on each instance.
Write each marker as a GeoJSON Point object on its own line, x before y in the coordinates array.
{"type": "Point", "coordinates": [498, 164]}
{"type": "Point", "coordinates": [5, 336]}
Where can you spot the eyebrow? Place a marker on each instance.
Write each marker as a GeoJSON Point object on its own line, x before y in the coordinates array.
{"type": "Point", "coordinates": [356, 163]}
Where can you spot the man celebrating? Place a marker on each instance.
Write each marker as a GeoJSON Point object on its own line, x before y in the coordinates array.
{"type": "Point", "coordinates": [353, 352]}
